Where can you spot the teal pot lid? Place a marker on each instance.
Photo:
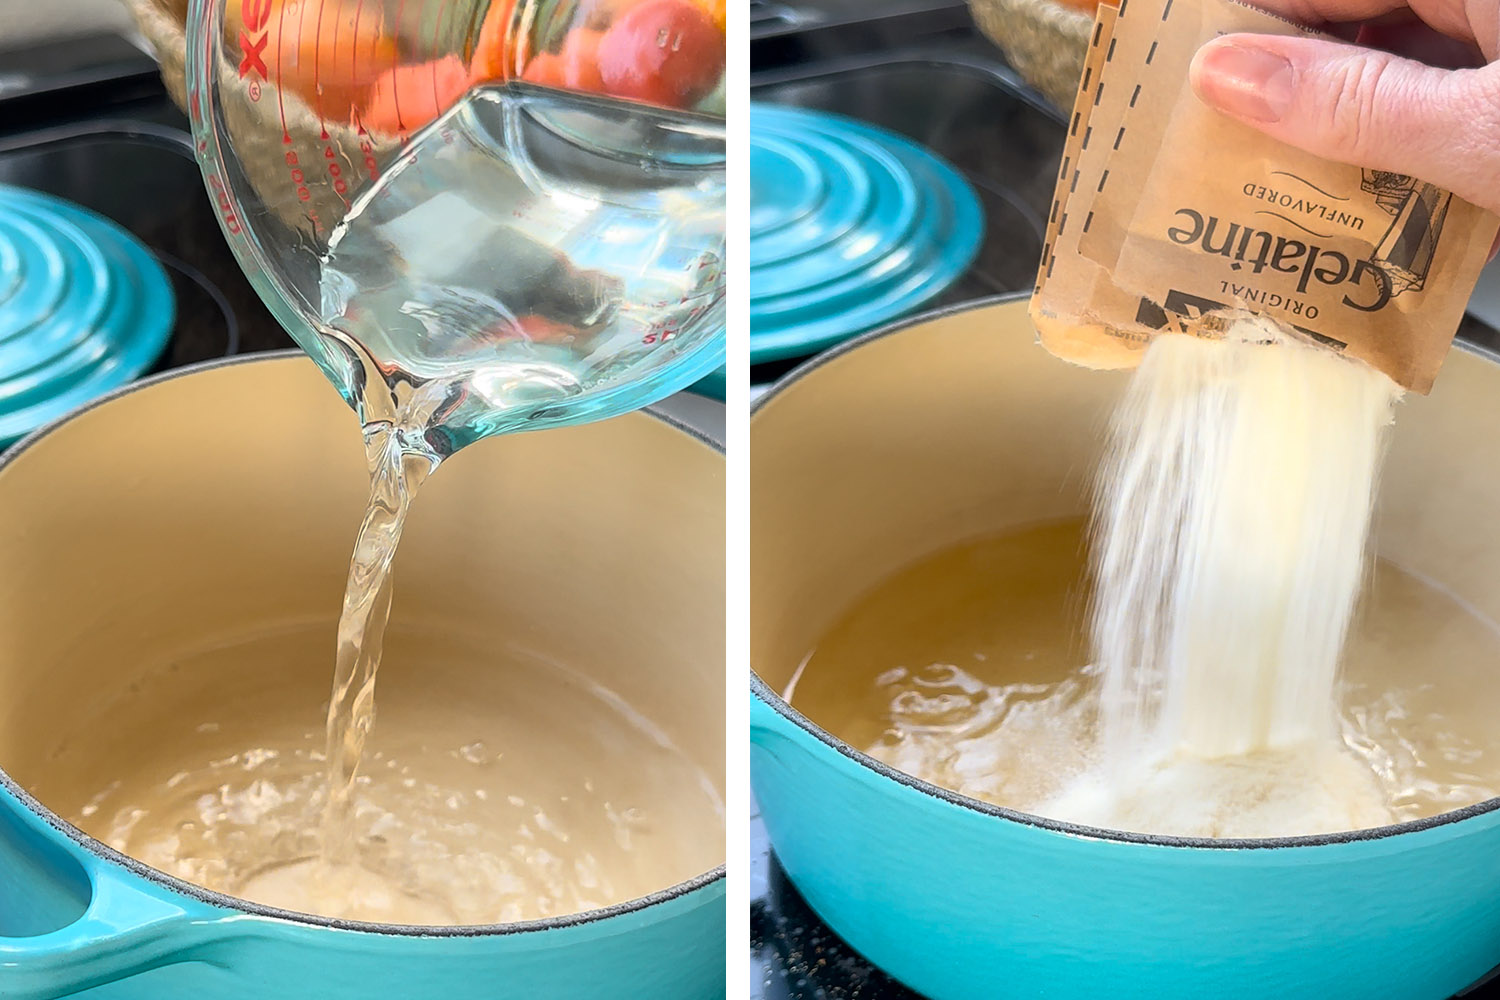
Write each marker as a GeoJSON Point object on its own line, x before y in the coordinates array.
{"type": "Point", "coordinates": [84, 308]}
{"type": "Point", "coordinates": [850, 226]}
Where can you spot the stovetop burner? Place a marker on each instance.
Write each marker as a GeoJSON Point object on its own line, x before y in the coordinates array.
{"type": "Point", "coordinates": [946, 89]}
{"type": "Point", "coordinates": [850, 226]}
{"type": "Point", "coordinates": [919, 68]}
{"type": "Point", "coordinates": [90, 122]}
{"type": "Point", "coordinates": [84, 308]}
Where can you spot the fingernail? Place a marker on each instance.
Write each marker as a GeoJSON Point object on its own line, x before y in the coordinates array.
{"type": "Point", "coordinates": [1245, 81]}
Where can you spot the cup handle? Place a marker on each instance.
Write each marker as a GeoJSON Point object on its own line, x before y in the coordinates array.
{"type": "Point", "coordinates": [124, 931]}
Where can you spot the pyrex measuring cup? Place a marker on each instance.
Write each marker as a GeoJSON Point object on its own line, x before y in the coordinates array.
{"type": "Point", "coordinates": [476, 215]}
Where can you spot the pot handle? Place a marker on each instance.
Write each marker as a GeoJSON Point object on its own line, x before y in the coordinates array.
{"type": "Point", "coordinates": [123, 931]}
{"type": "Point", "coordinates": [126, 927]}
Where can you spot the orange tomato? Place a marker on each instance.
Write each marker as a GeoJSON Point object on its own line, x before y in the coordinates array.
{"type": "Point", "coordinates": [542, 330]}
{"type": "Point", "coordinates": [407, 97]}
{"type": "Point", "coordinates": [546, 70]}
{"type": "Point", "coordinates": [580, 61]}
{"type": "Point", "coordinates": [326, 51]}
{"type": "Point", "coordinates": [666, 52]}
{"type": "Point", "coordinates": [717, 11]}
{"type": "Point", "coordinates": [489, 61]}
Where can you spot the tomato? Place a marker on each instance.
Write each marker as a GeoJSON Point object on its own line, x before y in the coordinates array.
{"type": "Point", "coordinates": [580, 61]}
{"type": "Point", "coordinates": [532, 327]}
{"type": "Point", "coordinates": [489, 61]}
{"type": "Point", "coordinates": [666, 52]}
{"type": "Point", "coordinates": [326, 51]}
{"type": "Point", "coordinates": [546, 70]}
{"type": "Point", "coordinates": [542, 330]}
{"type": "Point", "coordinates": [716, 10]}
{"type": "Point", "coordinates": [407, 97]}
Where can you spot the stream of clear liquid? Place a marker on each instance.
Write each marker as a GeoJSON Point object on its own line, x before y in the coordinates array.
{"type": "Point", "coordinates": [397, 472]}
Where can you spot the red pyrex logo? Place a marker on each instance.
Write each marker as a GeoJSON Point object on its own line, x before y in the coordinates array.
{"type": "Point", "coordinates": [256, 15]}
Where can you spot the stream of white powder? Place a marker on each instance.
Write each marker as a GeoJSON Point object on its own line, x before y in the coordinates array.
{"type": "Point", "coordinates": [1229, 549]}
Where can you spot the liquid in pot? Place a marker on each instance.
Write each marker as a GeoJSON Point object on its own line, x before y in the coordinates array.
{"type": "Point", "coordinates": [969, 669]}
{"type": "Point", "coordinates": [500, 785]}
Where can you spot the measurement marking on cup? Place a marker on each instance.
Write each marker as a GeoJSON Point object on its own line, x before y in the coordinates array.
{"type": "Point", "coordinates": [253, 38]}
{"type": "Point", "coordinates": [395, 90]}
{"type": "Point", "coordinates": [318, 61]}
{"type": "Point", "coordinates": [286, 135]}
{"type": "Point", "coordinates": [367, 149]}
{"type": "Point", "coordinates": [335, 169]}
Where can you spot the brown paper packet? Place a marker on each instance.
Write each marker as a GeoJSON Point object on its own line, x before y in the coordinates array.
{"type": "Point", "coordinates": [1158, 81]}
{"type": "Point", "coordinates": [1085, 162]}
{"type": "Point", "coordinates": [1195, 214]}
{"type": "Point", "coordinates": [1078, 128]}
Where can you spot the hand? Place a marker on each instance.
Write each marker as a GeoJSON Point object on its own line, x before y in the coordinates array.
{"type": "Point", "coordinates": [1416, 93]}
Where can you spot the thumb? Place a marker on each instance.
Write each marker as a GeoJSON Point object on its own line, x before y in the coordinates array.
{"type": "Point", "coordinates": [1362, 106]}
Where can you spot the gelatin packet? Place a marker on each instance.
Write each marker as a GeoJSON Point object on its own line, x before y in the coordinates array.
{"type": "Point", "coordinates": [1169, 216]}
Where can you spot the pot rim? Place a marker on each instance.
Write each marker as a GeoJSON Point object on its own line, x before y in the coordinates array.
{"type": "Point", "coordinates": [759, 688]}
{"type": "Point", "coordinates": [104, 852]}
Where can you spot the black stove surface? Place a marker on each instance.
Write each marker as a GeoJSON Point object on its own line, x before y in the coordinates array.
{"type": "Point", "coordinates": [793, 954]}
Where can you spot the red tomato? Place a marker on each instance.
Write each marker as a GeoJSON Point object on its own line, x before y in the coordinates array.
{"type": "Point", "coordinates": [666, 52]}
{"type": "Point", "coordinates": [407, 97]}
{"type": "Point", "coordinates": [580, 61]}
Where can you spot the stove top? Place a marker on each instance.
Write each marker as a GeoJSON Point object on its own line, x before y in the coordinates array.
{"type": "Point", "coordinates": [89, 121]}
{"type": "Point", "coordinates": [920, 68]}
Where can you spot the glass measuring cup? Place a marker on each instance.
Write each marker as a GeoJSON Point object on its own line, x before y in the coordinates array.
{"type": "Point", "coordinates": [476, 215]}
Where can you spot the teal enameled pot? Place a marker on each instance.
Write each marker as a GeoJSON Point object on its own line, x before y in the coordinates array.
{"type": "Point", "coordinates": [957, 425]}
{"type": "Point", "coordinates": [225, 498]}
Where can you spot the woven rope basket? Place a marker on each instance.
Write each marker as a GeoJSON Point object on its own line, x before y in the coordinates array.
{"type": "Point", "coordinates": [262, 154]}
{"type": "Point", "coordinates": [1045, 41]}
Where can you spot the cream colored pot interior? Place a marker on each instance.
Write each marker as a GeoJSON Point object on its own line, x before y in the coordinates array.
{"type": "Point", "coordinates": [963, 426]}
{"type": "Point", "coordinates": [168, 525]}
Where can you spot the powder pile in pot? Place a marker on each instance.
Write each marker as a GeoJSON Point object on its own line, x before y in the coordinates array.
{"type": "Point", "coordinates": [1229, 545]}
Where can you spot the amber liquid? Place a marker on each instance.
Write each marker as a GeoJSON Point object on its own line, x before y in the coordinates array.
{"type": "Point", "coordinates": [970, 669]}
